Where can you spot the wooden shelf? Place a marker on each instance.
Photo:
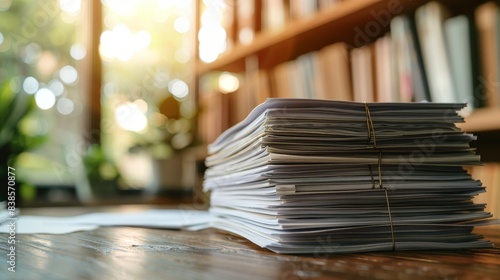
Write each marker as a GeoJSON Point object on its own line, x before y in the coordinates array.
{"type": "Point", "coordinates": [277, 46]}
{"type": "Point", "coordinates": [482, 120]}
{"type": "Point", "coordinates": [342, 22]}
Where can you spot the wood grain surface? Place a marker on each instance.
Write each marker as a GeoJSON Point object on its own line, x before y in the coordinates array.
{"type": "Point", "coordinates": [144, 253]}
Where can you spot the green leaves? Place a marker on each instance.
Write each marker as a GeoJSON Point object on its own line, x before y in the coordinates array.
{"type": "Point", "coordinates": [13, 108]}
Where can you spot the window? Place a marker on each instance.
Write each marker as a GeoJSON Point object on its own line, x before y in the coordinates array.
{"type": "Point", "coordinates": [147, 103]}
{"type": "Point", "coordinates": [41, 50]}
{"type": "Point", "coordinates": [144, 100]}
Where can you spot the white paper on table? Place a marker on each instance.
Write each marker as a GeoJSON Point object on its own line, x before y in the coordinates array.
{"type": "Point", "coordinates": [41, 224]}
{"type": "Point", "coordinates": [172, 219]}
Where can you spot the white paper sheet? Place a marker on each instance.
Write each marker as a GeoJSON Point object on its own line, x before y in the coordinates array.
{"type": "Point", "coordinates": [171, 218]}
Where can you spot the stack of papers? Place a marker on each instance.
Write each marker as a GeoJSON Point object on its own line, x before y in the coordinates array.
{"type": "Point", "coordinates": [317, 176]}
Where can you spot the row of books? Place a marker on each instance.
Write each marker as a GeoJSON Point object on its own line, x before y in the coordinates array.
{"type": "Point", "coordinates": [489, 174]}
{"type": "Point", "coordinates": [242, 19]}
{"type": "Point", "coordinates": [426, 56]}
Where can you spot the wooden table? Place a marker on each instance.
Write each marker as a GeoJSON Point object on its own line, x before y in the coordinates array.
{"type": "Point", "coordinates": [143, 253]}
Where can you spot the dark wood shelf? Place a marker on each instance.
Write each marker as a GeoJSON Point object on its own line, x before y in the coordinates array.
{"type": "Point", "coordinates": [482, 120]}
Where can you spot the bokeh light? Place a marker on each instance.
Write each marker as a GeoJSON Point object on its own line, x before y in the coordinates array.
{"type": "Point", "coordinates": [212, 36]}
{"type": "Point", "coordinates": [31, 53]}
{"type": "Point", "coordinates": [30, 85]}
{"type": "Point", "coordinates": [228, 83]}
{"type": "Point", "coordinates": [78, 51]}
{"type": "Point", "coordinates": [68, 74]}
{"type": "Point", "coordinates": [70, 6]}
{"type": "Point", "coordinates": [45, 98]}
{"type": "Point", "coordinates": [56, 87]}
{"type": "Point", "coordinates": [65, 106]}
{"type": "Point", "coordinates": [181, 24]}
{"type": "Point", "coordinates": [178, 88]}
{"type": "Point", "coordinates": [130, 117]}
{"type": "Point", "coordinates": [182, 55]}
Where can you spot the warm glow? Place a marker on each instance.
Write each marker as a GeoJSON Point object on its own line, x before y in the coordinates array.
{"type": "Point", "coordinates": [182, 55]}
{"type": "Point", "coordinates": [141, 105]}
{"type": "Point", "coordinates": [228, 83]}
{"type": "Point", "coordinates": [47, 63]}
{"type": "Point", "coordinates": [159, 119]}
{"type": "Point", "coordinates": [142, 39]}
{"type": "Point", "coordinates": [130, 117]}
{"type": "Point", "coordinates": [71, 7]}
{"type": "Point", "coordinates": [122, 7]}
{"type": "Point", "coordinates": [181, 24]}
{"type": "Point", "coordinates": [173, 4]}
{"type": "Point", "coordinates": [121, 43]}
{"type": "Point", "coordinates": [212, 36]}
{"type": "Point", "coordinates": [208, 54]}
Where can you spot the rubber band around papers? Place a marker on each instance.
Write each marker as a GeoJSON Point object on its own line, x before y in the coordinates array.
{"type": "Point", "coordinates": [370, 128]}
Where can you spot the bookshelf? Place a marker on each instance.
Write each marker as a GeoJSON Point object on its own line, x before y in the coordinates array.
{"type": "Point", "coordinates": [302, 36]}
{"type": "Point", "coordinates": [356, 23]}
{"type": "Point", "coordinates": [270, 48]}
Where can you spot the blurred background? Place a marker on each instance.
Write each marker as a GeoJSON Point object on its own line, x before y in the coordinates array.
{"type": "Point", "coordinates": [109, 101]}
{"type": "Point", "coordinates": [96, 101]}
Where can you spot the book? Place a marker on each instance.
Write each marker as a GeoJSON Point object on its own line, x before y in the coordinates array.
{"type": "Point", "coordinates": [281, 81]}
{"type": "Point", "coordinates": [306, 73]}
{"type": "Point", "coordinates": [263, 86]}
{"type": "Point", "coordinates": [419, 83]}
{"type": "Point", "coordinates": [429, 21]}
{"type": "Point", "coordinates": [460, 53]}
{"type": "Point", "coordinates": [362, 74]}
{"type": "Point", "coordinates": [214, 113]}
{"type": "Point", "coordinates": [274, 14]}
{"type": "Point", "coordinates": [403, 64]}
{"type": "Point", "coordinates": [384, 70]}
{"type": "Point", "coordinates": [334, 72]}
{"type": "Point", "coordinates": [301, 9]}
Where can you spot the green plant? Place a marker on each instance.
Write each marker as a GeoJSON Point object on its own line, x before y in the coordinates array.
{"type": "Point", "coordinates": [14, 108]}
